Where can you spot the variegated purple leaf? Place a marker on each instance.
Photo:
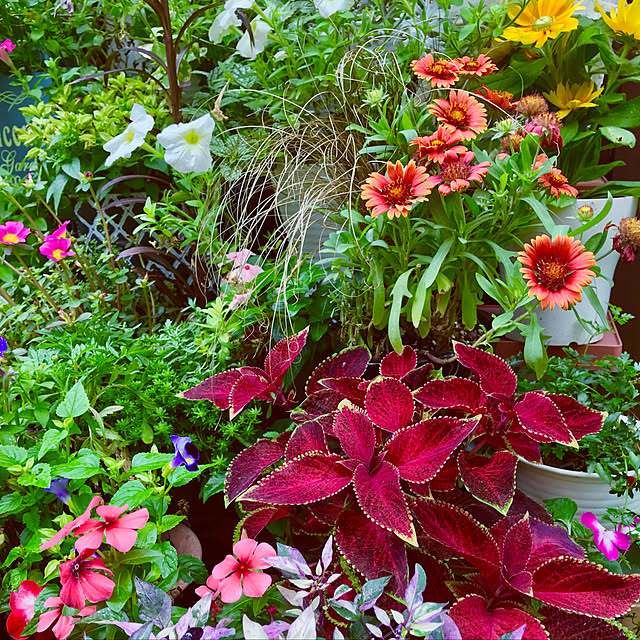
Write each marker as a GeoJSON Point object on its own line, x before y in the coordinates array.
{"type": "Point", "coordinates": [580, 420]}
{"type": "Point", "coordinates": [249, 464]}
{"type": "Point", "coordinates": [308, 437]}
{"type": "Point", "coordinates": [381, 499]}
{"type": "Point", "coordinates": [281, 357]}
{"type": "Point", "coordinates": [356, 433]}
{"type": "Point", "coordinates": [452, 393]}
{"type": "Point", "coordinates": [389, 404]}
{"type": "Point", "coordinates": [372, 550]}
{"type": "Point", "coordinates": [350, 363]}
{"type": "Point", "coordinates": [496, 376]}
{"type": "Point", "coordinates": [541, 420]}
{"type": "Point", "coordinates": [301, 481]}
{"type": "Point", "coordinates": [420, 450]}
{"type": "Point", "coordinates": [491, 480]}
{"type": "Point", "coordinates": [396, 365]}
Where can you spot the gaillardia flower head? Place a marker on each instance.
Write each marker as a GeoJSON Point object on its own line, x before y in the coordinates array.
{"type": "Point", "coordinates": [557, 184]}
{"type": "Point", "coordinates": [13, 232]}
{"type": "Point", "coordinates": [397, 192]}
{"type": "Point", "coordinates": [531, 105]}
{"type": "Point", "coordinates": [461, 112]}
{"type": "Point", "coordinates": [186, 145]}
{"type": "Point", "coordinates": [568, 97]}
{"type": "Point", "coordinates": [627, 241]}
{"type": "Point", "coordinates": [186, 453]}
{"type": "Point", "coordinates": [433, 147]}
{"type": "Point", "coordinates": [626, 20]}
{"type": "Point", "coordinates": [131, 138]}
{"type": "Point", "coordinates": [556, 270]}
{"type": "Point", "coordinates": [502, 100]}
{"type": "Point", "coordinates": [440, 72]}
{"type": "Point", "coordinates": [457, 172]}
{"type": "Point", "coordinates": [481, 66]}
{"type": "Point", "coordinates": [541, 20]}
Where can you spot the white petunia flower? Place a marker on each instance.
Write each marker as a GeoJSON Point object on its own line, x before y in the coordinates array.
{"type": "Point", "coordinates": [186, 145]}
{"type": "Point", "coordinates": [260, 34]}
{"type": "Point", "coordinates": [327, 8]}
{"type": "Point", "coordinates": [131, 138]}
{"type": "Point", "coordinates": [227, 19]}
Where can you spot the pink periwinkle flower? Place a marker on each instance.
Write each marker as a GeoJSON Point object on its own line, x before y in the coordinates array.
{"type": "Point", "coordinates": [238, 300]}
{"type": "Point", "coordinates": [57, 248]}
{"type": "Point", "coordinates": [241, 574]}
{"type": "Point", "coordinates": [249, 272]}
{"type": "Point", "coordinates": [7, 45]}
{"type": "Point", "coordinates": [13, 232]}
{"type": "Point", "coordinates": [212, 585]}
{"type": "Point", "coordinates": [81, 581]}
{"type": "Point", "coordinates": [61, 626]}
{"type": "Point", "coordinates": [239, 258]}
{"type": "Point", "coordinates": [22, 604]}
{"type": "Point", "coordinates": [73, 525]}
{"type": "Point", "coordinates": [609, 543]}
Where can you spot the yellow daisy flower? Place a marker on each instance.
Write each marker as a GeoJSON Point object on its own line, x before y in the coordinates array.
{"type": "Point", "coordinates": [626, 20]}
{"type": "Point", "coordinates": [541, 20]}
{"type": "Point", "coordinates": [570, 97]}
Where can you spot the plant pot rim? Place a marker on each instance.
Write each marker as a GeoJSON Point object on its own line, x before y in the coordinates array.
{"type": "Point", "coordinates": [562, 472]}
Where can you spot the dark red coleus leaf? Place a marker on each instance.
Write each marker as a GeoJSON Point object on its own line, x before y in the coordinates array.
{"type": "Point", "coordinates": [246, 388]}
{"type": "Point", "coordinates": [583, 587]}
{"type": "Point", "coordinates": [217, 388]}
{"type": "Point", "coordinates": [381, 499]}
{"type": "Point", "coordinates": [356, 433]}
{"type": "Point", "coordinates": [418, 377]}
{"type": "Point", "coordinates": [420, 450]}
{"type": "Point", "coordinates": [396, 365]}
{"type": "Point", "coordinates": [573, 626]}
{"type": "Point", "coordinates": [452, 393]}
{"type": "Point", "coordinates": [255, 521]}
{"type": "Point", "coordinates": [250, 463]}
{"type": "Point", "coordinates": [491, 480]}
{"type": "Point", "coordinates": [523, 445]}
{"type": "Point", "coordinates": [496, 376]}
{"type": "Point", "coordinates": [349, 388]}
{"type": "Point", "coordinates": [549, 541]}
{"type": "Point", "coordinates": [306, 479]}
{"type": "Point", "coordinates": [475, 621]}
{"type": "Point", "coordinates": [372, 550]}
{"type": "Point", "coordinates": [580, 419]}
{"type": "Point", "coordinates": [516, 549]}
{"type": "Point", "coordinates": [389, 404]}
{"type": "Point", "coordinates": [281, 357]}
{"type": "Point", "coordinates": [320, 403]}
{"type": "Point", "coordinates": [541, 420]}
{"type": "Point", "coordinates": [308, 437]}
{"type": "Point", "coordinates": [350, 363]}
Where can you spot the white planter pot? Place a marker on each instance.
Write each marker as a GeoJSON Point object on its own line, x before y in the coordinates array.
{"type": "Point", "coordinates": [561, 325]}
{"type": "Point", "coordinates": [587, 490]}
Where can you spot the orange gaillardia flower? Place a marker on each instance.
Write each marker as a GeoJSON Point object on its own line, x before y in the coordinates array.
{"type": "Point", "coordinates": [398, 192]}
{"type": "Point", "coordinates": [441, 72]}
{"type": "Point", "coordinates": [556, 270]}
{"type": "Point", "coordinates": [481, 66]}
{"type": "Point", "coordinates": [498, 99]}
{"type": "Point", "coordinates": [627, 241]}
{"type": "Point", "coordinates": [461, 112]}
{"type": "Point", "coordinates": [435, 146]}
{"type": "Point", "coordinates": [557, 183]}
{"type": "Point", "coordinates": [457, 172]}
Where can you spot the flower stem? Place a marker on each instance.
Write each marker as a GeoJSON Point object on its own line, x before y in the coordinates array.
{"type": "Point", "coordinates": [31, 278]}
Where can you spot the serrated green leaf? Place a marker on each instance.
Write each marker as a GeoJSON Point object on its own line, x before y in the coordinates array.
{"type": "Point", "coordinates": [75, 403]}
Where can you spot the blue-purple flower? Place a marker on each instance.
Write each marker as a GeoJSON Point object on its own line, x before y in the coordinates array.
{"type": "Point", "coordinates": [186, 453]}
{"type": "Point", "coordinates": [4, 347]}
{"type": "Point", "coordinates": [58, 488]}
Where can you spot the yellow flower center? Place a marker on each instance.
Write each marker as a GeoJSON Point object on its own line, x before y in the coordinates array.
{"type": "Point", "coordinates": [457, 115]}
{"type": "Point", "coordinates": [130, 135]}
{"type": "Point", "coordinates": [551, 273]}
{"type": "Point", "coordinates": [556, 179]}
{"type": "Point", "coordinates": [440, 68]}
{"type": "Point", "coordinates": [10, 238]}
{"type": "Point", "coordinates": [543, 23]}
{"type": "Point", "coordinates": [472, 65]}
{"type": "Point", "coordinates": [455, 171]}
{"type": "Point", "coordinates": [630, 230]}
{"type": "Point", "coordinates": [396, 192]}
{"type": "Point", "coordinates": [192, 137]}
{"type": "Point", "coordinates": [57, 254]}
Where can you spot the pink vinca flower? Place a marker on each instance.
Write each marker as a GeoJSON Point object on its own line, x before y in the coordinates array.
{"type": "Point", "coordinates": [242, 574]}
{"type": "Point", "coordinates": [80, 580]}
{"type": "Point", "coordinates": [57, 248]}
{"type": "Point", "coordinates": [22, 608]}
{"type": "Point", "coordinates": [250, 272]}
{"type": "Point", "coordinates": [71, 526]}
{"type": "Point", "coordinates": [120, 531]}
{"type": "Point", "coordinates": [609, 543]}
{"type": "Point", "coordinates": [238, 300]}
{"type": "Point", "coordinates": [61, 626]}
{"type": "Point", "coordinates": [13, 233]}
{"type": "Point", "coordinates": [211, 586]}
{"type": "Point", "coordinates": [60, 232]}
{"type": "Point", "coordinates": [239, 258]}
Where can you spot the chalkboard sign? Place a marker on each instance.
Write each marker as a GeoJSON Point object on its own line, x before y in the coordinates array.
{"type": "Point", "coordinates": [12, 151]}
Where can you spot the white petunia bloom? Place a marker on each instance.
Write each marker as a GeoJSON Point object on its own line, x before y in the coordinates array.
{"type": "Point", "coordinates": [260, 34]}
{"type": "Point", "coordinates": [131, 138]}
{"type": "Point", "coordinates": [227, 19]}
{"type": "Point", "coordinates": [186, 145]}
{"type": "Point", "coordinates": [327, 8]}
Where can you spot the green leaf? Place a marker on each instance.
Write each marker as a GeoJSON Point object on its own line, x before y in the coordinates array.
{"type": "Point", "coordinates": [84, 465]}
{"type": "Point", "coordinates": [11, 455]}
{"type": "Point", "coordinates": [592, 297]}
{"type": "Point", "coordinates": [123, 589]}
{"type": "Point", "coordinates": [597, 219]}
{"type": "Point", "coordinates": [133, 493]}
{"type": "Point", "coordinates": [619, 136]}
{"type": "Point", "coordinates": [11, 503]}
{"type": "Point", "coordinates": [400, 290]}
{"type": "Point", "coordinates": [379, 294]}
{"type": "Point", "coordinates": [75, 402]}
{"type": "Point", "coordinates": [535, 353]}
{"type": "Point", "coordinates": [215, 484]}
{"type": "Point", "coordinates": [169, 522]}
{"type": "Point", "coordinates": [38, 476]}
{"type": "Point", "coordinates": [50, 440]}
{"type": "Point", "coordinates": [140, 556]}
{"type": "Point", "coordinates": [56, 188]}
{"type": "Point", "coordinates": [149, 461]}
{"type": "Point", "coordinates": [192, 569]}
{"type": "Point", "coordinates": [543, 214]}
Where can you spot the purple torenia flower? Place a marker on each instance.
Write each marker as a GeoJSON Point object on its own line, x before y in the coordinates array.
{"type": "Point", "coordinates": [58, 488]}
{"type": "Point", "coordinates": [4, 347]}
{"type": "Point", "coordinates": [609, 543]}
{"type": "Point", "coordinates": [186, 453]}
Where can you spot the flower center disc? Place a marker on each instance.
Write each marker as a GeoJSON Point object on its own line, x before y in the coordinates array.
{"type": "Point", "coordinates": [457, 115]}
{"type": "Point", "coordinates": [552, 273]}
{"type": "Point", "coordinates": [192, 137]}
{"type": "Point", "coordinates": [57, 254]}
{"type": "Point", "coordinates": [457, 170]}
{"type": "Point", "coordinates": [543, 23]}
{"type": "Point", "coordinates": [396, 192]}
{"type": "Point", "coordinates": [440, 69]}
{"type": "Point", "coordinates": [10, 238]}
{"type": "Point", "coordinates": [130, 136]}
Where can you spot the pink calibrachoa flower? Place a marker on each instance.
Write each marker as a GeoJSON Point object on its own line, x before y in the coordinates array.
{"type": "Point", "coordinates": [242, 574]}
{"type": "Point", "coordinates": [7, 45]}
{"type": "Point", "coordinates": [457, 172]}
{"type": "Point", "coordinates": [61, 626]}
{"type": "Point", "coordinates": [13, 232]}
{"type": "Point", "coordinates": [71, 526]}
{"type": "Point", "coordinates": [441, 72]}
{"type": "Point", "coordinates": [120, 531]}
{"type": "Point", "coordinates": [22, 608]}
{"type": "Point", "coordinates": [57, 248]}
{"type": "Point", "coordinates": [80, 580]}
{"type": "Point", "coordinates": [609, 543]}
{"type": "Point", "coordinates": [397, 193]}
{"type": "Point", "coordinates": [60, 232]}
{"type": "Point", "coordinates": [481, 66]}
{"type": "Point", "coordinates": [435, 146]}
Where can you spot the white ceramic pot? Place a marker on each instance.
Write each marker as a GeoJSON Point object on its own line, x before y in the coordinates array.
{"type": "Point", "coordinates": [587, 490]}
{"type": "Point", "coordinates": [561, 325]}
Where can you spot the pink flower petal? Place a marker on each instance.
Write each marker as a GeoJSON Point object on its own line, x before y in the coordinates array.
{"type": "Point", "coordinates": [109, 512]}
{"type": "Point", "coordinates": [263, 550]}
{"type": "Point", "coordinates": [91, 540]}
{"type": "Point", "coordinates": [47, 619]}
{"type": "Point", "coordinates": [224, 568]}
{"type": "Point", "coordinates": [202, 591]}
{"type": "Point", "coordinates": [63, 628]}
{"type": "Point", "coordinates": [231, 588]}
{"type": "Point", "coordinates": [254, 584]}
{"type": "Point", "coordinates": [74, 524]}
{"type": "Point", "coordinates": [243, 549]}
{"type": "Point", "coordinates": [135, 520]}
{"type": "Point", "coordinates": [121, 539]}
{"type": "Point", "coordinates": [72, 593]}
{"type": "Point", "coordinates": [97, 588]}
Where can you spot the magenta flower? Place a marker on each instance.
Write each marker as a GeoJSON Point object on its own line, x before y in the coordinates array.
{"type": "Point", "coordinates": [242, 574]}
{"type": "Point", "coordinates": [60, 625]}
{"type": "Point", "coordinates": [120, 531]}
{"type": "Point", "coordinates": [13, 232]}
{"type": "Point", "coordinates": [80, 580]}
{"type": "Point", "coordinates": [57, 248]}
{"type": "Point", "coordinates": [7, 45]}
{"type": "Point", "coordinates": [22, 608]}
{"type": "Point", "coordinates": [71, 526]}
{"type": "Point", "coordinates": [60, 232]}
{"type": "Point", "coordinates": [609, 543]}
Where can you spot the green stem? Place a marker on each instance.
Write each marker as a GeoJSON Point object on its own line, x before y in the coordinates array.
{"type": "Point", "coordinates": [31, 278]}
{"type": "Point", "coordinates": [26, 214]}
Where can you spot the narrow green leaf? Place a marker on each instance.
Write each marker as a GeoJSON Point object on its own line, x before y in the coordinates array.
{"type": "Point", "coordinates": [399, 292]}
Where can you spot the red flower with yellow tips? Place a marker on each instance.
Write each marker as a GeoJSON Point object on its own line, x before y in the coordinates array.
{"type": "Point", "coordinates": [440, 72]}
{"type": "Point", "coordinates": [481, 66]}
{"type": "Point", "coordinates": [461, 112]}
{"type": "Point", "coordinates": [557, 184]}
{"type": "Point", "coordinates": [435, 146]}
